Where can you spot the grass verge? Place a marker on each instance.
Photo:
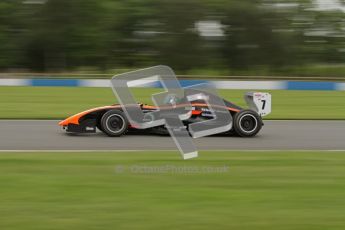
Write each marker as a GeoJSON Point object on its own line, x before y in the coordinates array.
{"type": "Point", "coordinates": [60, 102]}
{"type": "Point", "coordinates": [274, 190]}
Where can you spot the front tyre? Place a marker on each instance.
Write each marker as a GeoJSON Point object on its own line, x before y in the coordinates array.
{"type": "Point", "coordinates": [247, 123]}
{"type": "Point", "coordinates": [114, 123]}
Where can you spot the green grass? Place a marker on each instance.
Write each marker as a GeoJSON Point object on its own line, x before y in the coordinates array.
{"type": "Point", "coordinates": [274, 190]}
{"type": "Point", "coordinates": [59, 102]}
{"type": "Point", "coordinates": [324, 71]}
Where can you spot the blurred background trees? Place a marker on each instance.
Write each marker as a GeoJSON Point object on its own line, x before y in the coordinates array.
{"type": "Point", "coordinates": [195, 36]}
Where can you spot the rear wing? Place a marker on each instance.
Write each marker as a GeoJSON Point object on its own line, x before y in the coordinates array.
{"type": "Point", "coordinates": [259, 102]}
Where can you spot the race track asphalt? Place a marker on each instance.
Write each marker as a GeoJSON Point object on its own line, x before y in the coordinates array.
{"type": "Point", "coordinates": [275, 135]}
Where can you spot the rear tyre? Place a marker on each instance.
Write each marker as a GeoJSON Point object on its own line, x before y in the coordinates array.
{"type": "Point", "coordinates": [114, 123]}
{"type": "Point", "coordinates": [247, 123]}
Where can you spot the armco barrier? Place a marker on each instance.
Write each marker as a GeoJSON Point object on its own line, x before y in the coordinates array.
{"type": "Point", "coordinates": [255, 85]}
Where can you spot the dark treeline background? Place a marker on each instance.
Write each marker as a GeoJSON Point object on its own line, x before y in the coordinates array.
{"type": "Point", "coordinates": [191, 36]}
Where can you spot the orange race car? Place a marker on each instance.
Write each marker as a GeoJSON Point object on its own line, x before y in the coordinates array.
{"type": "Point", "coordinates": [112, 120]}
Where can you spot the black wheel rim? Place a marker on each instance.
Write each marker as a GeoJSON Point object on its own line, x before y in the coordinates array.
{"type": "Point", "coordinates": [248, 123]}
{"type": "Point", "coordinates": [115, 123]}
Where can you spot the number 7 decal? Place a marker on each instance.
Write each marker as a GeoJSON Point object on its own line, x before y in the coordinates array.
{"type": "Point", "coordinates": [263, 104]}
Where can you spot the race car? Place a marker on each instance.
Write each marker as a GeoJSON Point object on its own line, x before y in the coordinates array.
{"type": "Point", "coordinates": [112, 120]}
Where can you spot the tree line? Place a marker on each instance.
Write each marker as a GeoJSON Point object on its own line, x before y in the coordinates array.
{"type": "Point", "coordinates": [60, 35]}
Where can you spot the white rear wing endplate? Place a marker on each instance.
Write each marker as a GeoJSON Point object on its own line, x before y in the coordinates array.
{"type": "Point", "coordinates": [259, 102]}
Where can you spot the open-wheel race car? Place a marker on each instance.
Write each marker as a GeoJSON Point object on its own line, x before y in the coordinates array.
{"type": "Point", "coordinates": [112, 120]}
